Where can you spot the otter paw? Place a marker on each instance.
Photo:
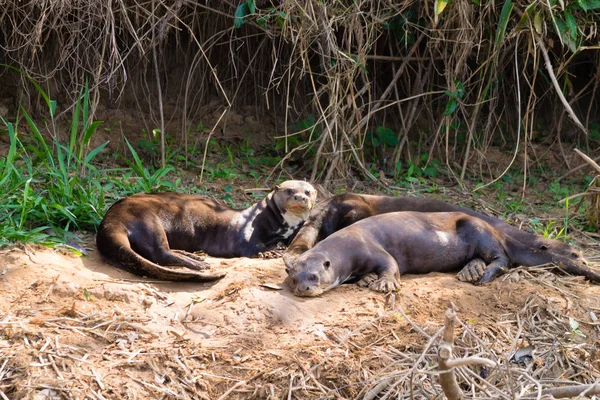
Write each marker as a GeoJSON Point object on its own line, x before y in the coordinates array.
{"type": "Point", "coordinates": [367, 279]}
{"type": "Point", "coordinates": [271, 254]}
{"type": "Point", "coordinates": [473, 271]}
{"type": "Point", "coordinates": [384, 285]}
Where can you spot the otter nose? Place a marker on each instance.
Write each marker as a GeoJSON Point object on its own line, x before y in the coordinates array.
{"type": "Point", "coordinates": [305, 282]}
{"type": "Point", "coordinates": [300, 197]}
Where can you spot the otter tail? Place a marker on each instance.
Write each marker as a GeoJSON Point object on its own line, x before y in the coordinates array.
{"type": "Point", "coordinates": [115, 249]}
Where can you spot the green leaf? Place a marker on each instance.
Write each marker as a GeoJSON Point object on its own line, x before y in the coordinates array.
{"type": "Point", "coordinates": [503, 22]}
{"type": "Point", "coordinates": [537, 23]}
{"type": "Point", "coordinates": [94, 152]}
{"type": "Point", "coordinates": [87, 135]}
{"type": "Point", "coordinates": [431, 171]}
{"type": "Point", "coordinates": [37, 87]}
{"type": "Point", "coordinates": [138, 165]}
{"type": "Point", "coordinates": [86, 103]}
{"type": "Point", "coordinates": [450, 107]}
{"type": "Point", "coordinates": [574, 324]}
{"type": "Point", "coordinates": [52, 107]}
{"type": "Point", "coordinates": [563, 32]}
{"type": "Point", "coordinates": [74, 125]}
{"type": "Point", "coordinates": [251, 6]}
{"type": "Point", "coordinates": [38, 136]}
{"type": "Point", "coordinates": [460, 89]}
{"type": "Point", "coordinates": [262, 21]}
{"type": "Point", "coordinates": [525, 17]}
{"type": "Point", "coordinates": [387, 136]}
{"type": "Point", "coordinates": [240, 13]}
{"type": "Point", "coordinates": [588, 5]}
{"type": "Point", "coordinates": [571, 24]}
{"type": "Point", "coordinates": [87, 295]}
{"type": "Point", "coordinates": [440, 5]}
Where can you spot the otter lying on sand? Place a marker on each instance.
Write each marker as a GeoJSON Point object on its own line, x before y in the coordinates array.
{"type": "Point", "coordinates": [345, 209]}
{"type": "Point", "coordinates": [150, 234]}
{"type": "Point", "coordinates": [380, 249]}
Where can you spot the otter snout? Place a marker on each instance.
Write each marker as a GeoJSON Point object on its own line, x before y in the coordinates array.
{"type": "Point", "coordinates": [301, 198]}
{"type": "Point", "coordinates": [305, 284]}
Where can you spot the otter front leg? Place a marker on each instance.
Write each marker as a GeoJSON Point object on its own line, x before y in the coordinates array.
{"type": "Point", "coordinates": [388, 273]}
{"type": "Point", "coordinates": [275, 253]}
{"type": "Point", "coordinates": [472, 271]}
{"type": "Point", "coordinates": [367, 279]}
{"type": "Point", "coordinates": [305, 239]}
{"type": "Point", "coordinates": [495, 268]}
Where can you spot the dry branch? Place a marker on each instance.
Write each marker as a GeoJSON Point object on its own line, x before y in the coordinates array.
{"type": "Point", "coordinates": [559, 92]}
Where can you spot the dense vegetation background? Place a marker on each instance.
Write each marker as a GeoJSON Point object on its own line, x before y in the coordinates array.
{"type": "Point", "coordinates": [376, 90]}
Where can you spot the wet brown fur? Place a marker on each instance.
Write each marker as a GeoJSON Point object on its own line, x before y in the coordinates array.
{"type": "Point", "coordinates": [158, 234]}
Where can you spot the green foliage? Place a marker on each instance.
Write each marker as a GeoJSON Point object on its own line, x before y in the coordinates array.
{"type": "Point", "coordinates": [399, 24]}
{"type": "Point", "coordinates": [548, 230]}
{"type": "Point", "coordinates": [242, 11]}
{"type": "Point", "coordinates": [588, 5]}
{"type": "Point", "coordinates": [303, 131]}
{"type": "Point", "coordinates": [454, 97]}
{"type": "Point", "coordinates": [413, 173]}
{"type": "Point", "coordinates": [558, 191]}
{"type": "Point", "coordinates": [248, 8]}
{"type": "Point", "coordinates": [575, 327]}
{"type": "Point", "coordinates": [50, 188]}
{"type": "Point", "coordinates": [503, 22]}
{"type": "Point", "coordinates": [150, 181]}
{"type": "Point", "coordinates": [151, 146]}
{"type": "Point", "coordinates": [384, 137]}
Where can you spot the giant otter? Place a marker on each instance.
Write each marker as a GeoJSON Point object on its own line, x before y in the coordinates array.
{"type": "Point", "coordinates": [411, 242]}
{"type": "Point", "coordinates": [148, 233]}
{"type": "Point", "coordinates": [345, 209]}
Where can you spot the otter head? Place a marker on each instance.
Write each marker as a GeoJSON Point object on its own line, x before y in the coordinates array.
{"type": "Point", "coordinates": [295, 199]}
{"type": "Point", "coordinates": [311, 275]}
{"type": "Point", "coordinates": [563, 251]}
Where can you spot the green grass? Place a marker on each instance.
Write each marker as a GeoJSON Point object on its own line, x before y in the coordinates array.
{"type": "Point", "coordinates": [49, 189]}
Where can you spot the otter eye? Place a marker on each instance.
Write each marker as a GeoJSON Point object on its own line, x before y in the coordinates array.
{"type": "Point", "coordinates": [543, 247]}
{"type": "Point", "coordinates": [327, 264]}
{"type": "Point", "coordinates": [307, 193]}
{"type": "Point", "coordinates": [574, 255]}
{"type": "Point", "coordinates": [288, 192]}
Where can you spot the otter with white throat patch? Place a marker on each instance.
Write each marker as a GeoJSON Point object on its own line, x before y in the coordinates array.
{"type": "Point", "coordinates": [158, 234]}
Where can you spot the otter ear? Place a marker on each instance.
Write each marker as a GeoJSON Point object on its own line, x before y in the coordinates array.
{"type": "Point", "coordinates": [327, 264]}
{"type": "Point", "coordinates": [543, 247]}
{"type": "Point", "coordinates": [276, 188]}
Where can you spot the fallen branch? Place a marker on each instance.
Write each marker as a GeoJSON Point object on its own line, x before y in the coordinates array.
{"type": "Point", "coordinates": [561, 96]}
{"type": "Point", "coordinates": [447, 363]}
{"type": "Point", "coordinates": [569, 391]}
